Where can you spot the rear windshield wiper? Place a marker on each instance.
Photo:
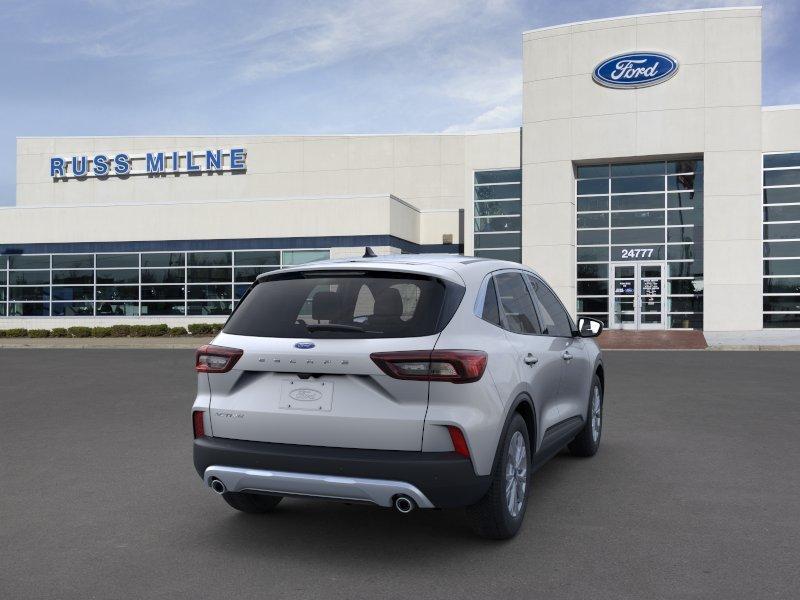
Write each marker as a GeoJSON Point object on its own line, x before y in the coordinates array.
{"type": "Point", "coordinates": [336, 327]}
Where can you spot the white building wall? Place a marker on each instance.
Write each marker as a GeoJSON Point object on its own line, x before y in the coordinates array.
{"type": "Point", "coordinates": [712, 107]}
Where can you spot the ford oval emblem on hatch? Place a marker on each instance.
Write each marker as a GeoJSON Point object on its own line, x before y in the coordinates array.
{"type": "Point", "coordinates": [304, 345]}
{"type": "Point", "coordinates": [635, 70]}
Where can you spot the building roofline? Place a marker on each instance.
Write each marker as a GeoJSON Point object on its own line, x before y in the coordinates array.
{"type": "Point", "coordinates": [266, 135]}
{"type": "Point", "coordinates": [652, 14]}
{"type": "Point", "coordinates": [781, 107]}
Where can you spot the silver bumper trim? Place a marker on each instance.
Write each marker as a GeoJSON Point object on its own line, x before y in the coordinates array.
{"type": "Point", "coordinates": [377, 491]}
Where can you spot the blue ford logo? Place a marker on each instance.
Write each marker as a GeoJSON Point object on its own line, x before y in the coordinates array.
{"type": "Point", "coordinates": [635, 70]}
{"type": "Point", "coordinates": [304, 345]}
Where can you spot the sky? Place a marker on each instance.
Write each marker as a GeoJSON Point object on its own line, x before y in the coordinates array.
{"type": "Point", "coordinates": [203, 67]}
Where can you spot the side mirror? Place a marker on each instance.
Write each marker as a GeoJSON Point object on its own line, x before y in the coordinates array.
{"type": "Point", "coordinates": [588, 327]}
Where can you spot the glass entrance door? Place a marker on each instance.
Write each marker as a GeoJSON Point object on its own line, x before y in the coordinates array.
{"type": "Point", "coordinates": [637, 295]}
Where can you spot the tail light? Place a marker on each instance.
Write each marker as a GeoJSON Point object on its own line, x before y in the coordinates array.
{"type": "Point", "coordinates": [459, 442]}
{"type": "Point", "coordinates": [456, 366]}
{"type": "Point", "coordinates": [197, 424]}
{"type": "Point", "coordinates": [216, 359]}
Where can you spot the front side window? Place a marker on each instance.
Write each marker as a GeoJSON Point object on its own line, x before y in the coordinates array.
{"type": "Point", "coordinates": [555, 320]}
{"type": "Point", "coordinates": [516, 305]}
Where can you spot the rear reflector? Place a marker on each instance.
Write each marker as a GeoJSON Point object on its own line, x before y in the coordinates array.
{"type": "Point", "coordinates": [216, 359]}
{"type": "Point", "coordinates": [455, 366]}
{"type": "Point", "coordinates": [197, 424]}
{"type": "Point", "coordinates": [459, 443]}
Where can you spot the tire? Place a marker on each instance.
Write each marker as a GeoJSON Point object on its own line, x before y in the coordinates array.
{"type": "Point", "coordinates": [587, 441]}
{"type": "Point", "coordinates": [252, 503]}
{"type": "Point", "coordinates": [493, 516]}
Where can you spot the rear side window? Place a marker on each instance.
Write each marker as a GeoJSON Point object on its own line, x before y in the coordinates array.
{"type": "Point", "coordinates": [555, 320]}
{"type": "Point", "coordinates": [516, 305]}
{"type": "Point", "coordinates": [491, 311]}
{"type": "Point", "coordinates": [315, 304]}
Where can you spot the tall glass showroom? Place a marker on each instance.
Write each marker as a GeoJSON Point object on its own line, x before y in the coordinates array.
{"type": "Point", "coordinates": [640, 244]}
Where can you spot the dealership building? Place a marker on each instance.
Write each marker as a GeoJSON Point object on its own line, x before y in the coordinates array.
{"type": "Point", "coordinates": [647, 184]}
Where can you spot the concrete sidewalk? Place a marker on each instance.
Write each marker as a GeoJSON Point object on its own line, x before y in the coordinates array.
{"type": "Point", "coordinates": [108, 343]}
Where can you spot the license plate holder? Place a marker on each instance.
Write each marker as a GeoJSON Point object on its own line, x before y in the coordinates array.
{"type": "Point", "coordinates": [301, 394]}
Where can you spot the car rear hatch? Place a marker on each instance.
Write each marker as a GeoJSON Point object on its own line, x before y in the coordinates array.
{"type": "Point", "coordinates": [305, 375]}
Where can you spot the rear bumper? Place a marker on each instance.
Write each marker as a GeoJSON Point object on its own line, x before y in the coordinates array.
{"type": "Point", "coordinates": [445, 479]}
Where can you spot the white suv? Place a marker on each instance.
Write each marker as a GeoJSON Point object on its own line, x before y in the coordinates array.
{"type": "Point", "coordinates": [407, 381]}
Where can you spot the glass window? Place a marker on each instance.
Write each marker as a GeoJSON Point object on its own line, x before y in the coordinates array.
{"type": "Point", "coordinates": [117, 292]}
{"type": "Point", "coordinates": [789, 159]}
{"type": "Point", "coordinates": [586, 171]}
{"type": "Point", "coordinates": [592, 271]}
{"type": "Point", "coordinates": [593, 288]}
{"type": "Point", "coordinates": [651, 168]}
{"type": "Point", "coordinates": [782, 213]}
{"type": "Point", "coordinates": [782, 267]}
{"type": "Point", "coordinates": [639, 252]}
{"type": "Point", "coordinates": [117, 309]}
{"type": "Point", "coordinates": [681, 269]}
{"type": "Point", "coordinates": [346, 305]}
{"type": "Point", "coordinates": [637, 236]}
{"type": "Point", "coordinates": [555, 320]}
{"type": "Point", "coordinates": [782, 320]}
{"type": "Point", "coordinates": [782, 285]}
{"type": "Point", "coordinates": [782, 195]}
{"type": "Point", "coordinates": [73, 261]}
{"type": "Point", "coordinates": [680, 234]}
{"type": "Point", "coordinates": [73, 292]}
{"type": "Point", "coordinates": [787, 177]}
{"type": "Point", "coordinates": [679, 252]}
{"type": "Point", "coordinates": [26, 261]}
{"type": "Point", "coordinates": [596, 203]}
{"type": "Point", "coordinates": [72, 309]}
{"type": "Point", "coordinates": [498, 240]}
{"type": "Point", "coordinates": [163, 259]}
{"type": "Point", "coordinates": [28, 309]}
{"type": "Point", "coordinates": [257, 257]}
{"type": "Point", "coordinates": [496, 192]}
{"type": "Point", "coordinates": [782, 303]}
{"type": "Point", "coordinates": [209, 308]}
{"type": "Point", "coordinates": [163, 308]}
{"type": "Point", "coordinates": [239, 290]}
{"type": "Point", "coordinates": [209, 259]}
{"type": "Point", "coordinates": [249, 274]}
{"type": "Point", "coordinates": [505, 207]}
{"type": "Point", "coordinates": [162, 292]}
{"type": "Point", "coordinates": [694, 304]}
{"type": "Point", "coordinates": [29, 293]}
{"type": "Point", "coordinates": [114, 261]}
{"type": "Point", "coordinates": [29, 277]}
{"type": "Point", "coordinates": [637, 184]}
{"type": "Point", "coordinates": [510, 255]}
{"type": "Point", "coordinates": [117, 275]}
{"type": "Point", "coordinates": [498, 176]}
{"type": "Point", "coordinates": [684, 166]}
{"type": "Point", "coordinates": [686, 321]}
{"type": "Point", "coordinates": [684, 217]}
{"type": "Point", "coordinates": [209, 275]}
{"type": "Point", "coordinates": [589, 254]}
{"type": "Point", "coordinates": [637, 219]}
{"type": "Point", "coordinates": [491, 310]}
{"type": "Point", "coordinates": [683, 182]}
{"type": "Point", "coordinates": [209, 292]}
{"type": "Point", "coordinates": [73, 277]}
{"type": "Point", "coordinates": [163, 276]}
{"type": "Point", "coordinates": [592, 186]}
{"type": "Point", "coordinates": [587, 221]}
{"type": "Point", "coordinates": [684, 200]}
{"type": "Point", "coordinates": [299, 257]}
{"type": "Point", "coordinates": [592, 236]}
{"type": "Point", "coordinates": [593, 305]}
{"type": "Point", "coordinates": [637, 201]}
{"type": "Point", "coordinates": [785, 231]}
{"type": "Point", "coordinates": [685, 286]}
{"type": "Point", "coordinates": [498, 224]}
{"type": "Point", "coordinates": [2, 294]}
{"type": "Point", "coordinates": [516, 304]}
{"type": "Point", "coordinates": [781, 249]}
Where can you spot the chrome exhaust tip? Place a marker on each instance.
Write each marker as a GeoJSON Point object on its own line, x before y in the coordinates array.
{"type": "Point", "coordinates": [404, 504]}
{"type": "Point", "coordinates": [218, 486]}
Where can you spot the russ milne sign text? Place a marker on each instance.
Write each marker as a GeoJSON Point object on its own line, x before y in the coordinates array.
{"type": "Point", "coordinates": [122, 164]}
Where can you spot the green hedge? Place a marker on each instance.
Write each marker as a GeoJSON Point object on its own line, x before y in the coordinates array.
{"type": "Point", "coordinates": [160, 330]}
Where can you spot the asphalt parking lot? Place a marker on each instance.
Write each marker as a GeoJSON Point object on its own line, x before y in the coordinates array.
{"type": "Point", "coordinates": [695, 494]}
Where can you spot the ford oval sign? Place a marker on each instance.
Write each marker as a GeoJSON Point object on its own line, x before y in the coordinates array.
{"type": "Point", "coordinates": [304, 345]}
{"type": "Point", "coordinates": [635, 70]}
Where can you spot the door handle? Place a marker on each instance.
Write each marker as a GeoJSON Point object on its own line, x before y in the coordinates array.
{"type": "Point", "coordinates": [530, 359]}
{"type": "Point", "coordinates": [566, 355]}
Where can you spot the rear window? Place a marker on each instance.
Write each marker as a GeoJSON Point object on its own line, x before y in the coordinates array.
{"type": "Point", "coordinates": [314, 304]}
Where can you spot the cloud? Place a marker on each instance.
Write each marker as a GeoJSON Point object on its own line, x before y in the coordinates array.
{"type": "Point", "coordinates": [497, 117]}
